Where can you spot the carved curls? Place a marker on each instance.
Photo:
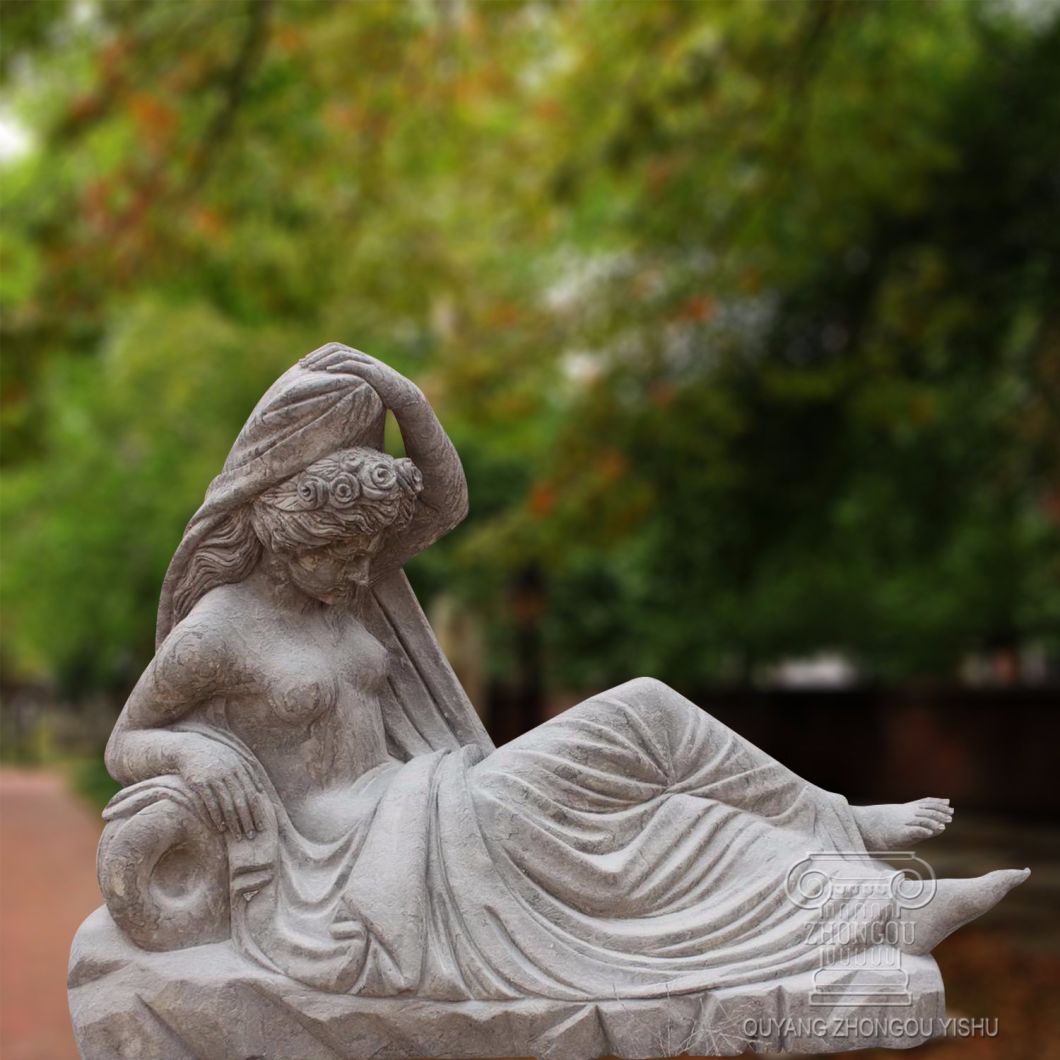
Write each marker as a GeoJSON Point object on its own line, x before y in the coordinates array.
{"type": "Point", "coordinates": [351, 492]}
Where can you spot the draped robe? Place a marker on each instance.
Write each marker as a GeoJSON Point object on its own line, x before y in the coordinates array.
{"type": "Point", "coordinates": [632, 847]}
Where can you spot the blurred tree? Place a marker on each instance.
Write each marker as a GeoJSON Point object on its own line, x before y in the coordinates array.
{"type": "Point", "coordinates": [743, 316]}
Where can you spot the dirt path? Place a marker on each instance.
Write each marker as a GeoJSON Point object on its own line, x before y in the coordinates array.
{"type": "Point", "coordinates": [47, 887]}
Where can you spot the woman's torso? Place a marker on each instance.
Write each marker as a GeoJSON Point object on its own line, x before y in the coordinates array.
{"type": "Point", "coordinates": [304, 695]}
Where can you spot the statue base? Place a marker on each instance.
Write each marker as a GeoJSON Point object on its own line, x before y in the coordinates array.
{"type": "Point", "coordinates": [208, 1003]}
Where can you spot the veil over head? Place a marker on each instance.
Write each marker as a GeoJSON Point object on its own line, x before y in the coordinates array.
{"type": "Point", "coordinates": [305, 415]}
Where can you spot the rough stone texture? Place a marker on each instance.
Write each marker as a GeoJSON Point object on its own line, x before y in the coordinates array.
{"type": "Point", "coordinates": [319, 852]}
{"type": "Point", "coordinates": [208, 1002]}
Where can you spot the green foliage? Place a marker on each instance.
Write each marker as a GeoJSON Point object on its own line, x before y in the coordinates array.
{"type": "Point", "coordinates": [743, 316]}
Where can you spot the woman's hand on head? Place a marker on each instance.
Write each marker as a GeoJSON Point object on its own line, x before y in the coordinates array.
{"type": "Point", "coordinates": [225, 785]}
{"type": "Point", "coordinates": [395, 390]}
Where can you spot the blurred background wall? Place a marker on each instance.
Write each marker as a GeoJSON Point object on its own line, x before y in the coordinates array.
{"type": "Point", "coordinates": [743, 317]}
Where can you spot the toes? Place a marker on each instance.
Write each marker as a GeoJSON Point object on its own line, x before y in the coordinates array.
{"type": "Point", "coordinates": [935, 804]}
{"type": "Point", "coordinates": [934, 827]}
{"type": "Point", "coordinates": [933, 816]}
{"type": "Point", "coordinates": [921, 832]}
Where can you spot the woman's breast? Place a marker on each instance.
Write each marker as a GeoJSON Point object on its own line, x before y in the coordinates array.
{"type": "Point", "coordinates": [301, 687]}
{"type": "Point", "coordinates": [298, 698]}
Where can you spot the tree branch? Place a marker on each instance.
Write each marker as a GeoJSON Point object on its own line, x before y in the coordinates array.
{"type": "Point", "coordinates": [235, 82]}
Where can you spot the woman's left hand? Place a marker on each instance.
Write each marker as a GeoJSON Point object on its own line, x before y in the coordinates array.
{"type": "Point", "coordinates": [396, 391]}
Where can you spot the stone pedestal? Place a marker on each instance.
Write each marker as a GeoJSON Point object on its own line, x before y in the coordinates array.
{"type": "Point", "coordinates": [208, 1003]}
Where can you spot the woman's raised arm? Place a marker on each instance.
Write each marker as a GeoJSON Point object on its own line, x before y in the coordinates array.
{"type": "Point", "coordinates": [443, 501]}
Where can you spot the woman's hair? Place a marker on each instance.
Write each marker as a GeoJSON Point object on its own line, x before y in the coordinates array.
{"type": "Point", "coordinates": [349, 493]}
{"type": "Point", "coordinates": [228, 555]}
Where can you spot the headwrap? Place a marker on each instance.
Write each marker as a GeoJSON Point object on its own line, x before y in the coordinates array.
{"type": "Point", "coordinates": [304, 416]}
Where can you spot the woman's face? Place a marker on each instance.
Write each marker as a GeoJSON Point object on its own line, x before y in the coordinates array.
{"type": "Point", "coordinates": [334, 572]}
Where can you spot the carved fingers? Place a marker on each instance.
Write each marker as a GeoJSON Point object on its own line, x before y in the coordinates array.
{"type": "Point", "coordinates": [226, 787]}
{"type": "Point", "coordinates": [329, 354]}
{"type": "Point", "coordinates": [246, 798]}
{"type": "Point", "coordinates": [394, 389]}
{"type": "Point", "coordinates": [208, 798]}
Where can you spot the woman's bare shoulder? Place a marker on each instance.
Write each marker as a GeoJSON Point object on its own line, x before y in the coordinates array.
{"type": "Point", "coordinates": [206, 649]}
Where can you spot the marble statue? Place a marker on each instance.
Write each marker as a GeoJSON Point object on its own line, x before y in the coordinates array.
{"type": "Point", "coordinates": [318, 852]}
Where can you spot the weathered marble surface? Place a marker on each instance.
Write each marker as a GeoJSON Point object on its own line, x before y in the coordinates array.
{"type": "Point", "coordinates": [318, 851]}
{"type": "Point", "coordinates": [207, 1003]}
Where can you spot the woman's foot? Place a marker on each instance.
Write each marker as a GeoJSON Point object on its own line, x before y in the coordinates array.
{"type": "Point", "coordinates": [955, 903]}
{"type": "Point", "coordinates": [900, 825]}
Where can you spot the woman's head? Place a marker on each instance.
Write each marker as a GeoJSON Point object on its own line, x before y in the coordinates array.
{"type": "Point", "coordinates": [323, 525]}
{"type": "Point", "coordinates": [328, 521]}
